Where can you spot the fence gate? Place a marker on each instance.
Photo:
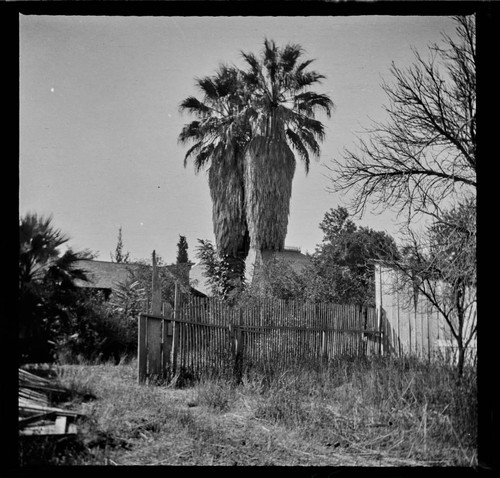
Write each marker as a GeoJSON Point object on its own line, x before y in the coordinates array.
{"type": "Point", "coordinates": [155, 335]}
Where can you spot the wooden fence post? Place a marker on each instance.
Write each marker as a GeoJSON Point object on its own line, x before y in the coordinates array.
{"type": "Point", "coordinates": [156, 290]}
{"type": "Point", "coordinates": [175, 330]}
{"type": "Point", "coordinates": [378, 300]}
{"type": "Point", "coordinates": [364, 338]}
{"type": "Point", "coordinates": [239, 335]}
{"type": "Point", "coordinates": [236, 334]}
{"type": "Point", "coordinates": [324, 345]}
{"type": "Point", "coordinates": [232, 339]}
{"type": "Point", "coordinates": [154, 334]}
{"type": "Point", "coordinates": [166, 337]}
{"type": "Point", "coordinates": [141, 349]}
{"type": "Point", "coordinates": [380, 331]}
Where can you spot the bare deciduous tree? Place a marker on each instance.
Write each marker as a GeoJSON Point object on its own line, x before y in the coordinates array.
{"type": "Point", "coordinates": [423, 161]}
{"type": "Point", "coordinates": [426, 152]}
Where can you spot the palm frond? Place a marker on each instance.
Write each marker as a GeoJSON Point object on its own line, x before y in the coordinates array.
{"type": "Point", "coordinates": [64, 272]}
{"type": "Point", "coordinates": [308, 102]}
{"type": "Point", "coordinates": [194, 106]}
{"type": "Point", "coordinates": [271, 58]}
{"type": "Point", "coordinates": [208, 87]}
{"type": "Point", "coordinates": [204, 156]}
{"type": "Point", "coordinates": [298, 144]}
{"type": "Point", "coordinates": [305, 79]}
{"type": "Point", "coordinates": [252, 61]}
{"type": "Point", "coordinates": [191, 151]}
{"type": "Point", "coordinates": [309, 140]}
{"type": "Point", "coordinates": [190, 132]}
{"type": "Point", "coordinates": [289, 57]}
{"type": "Point", "coordinates": [314, 126]}
{"type": "Point", "coordinates": [302, 66]}
{"type": "Point", "coordinates": [227, 82]}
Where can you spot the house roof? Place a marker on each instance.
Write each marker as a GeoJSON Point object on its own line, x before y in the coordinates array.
{"type": "Point", "coordinates": [108, 275]}
{"type": "Point", "coordinates": [198, 280]}
{"type": "Point", "coordinates": [103, 275]}
{"type": "Point", "coordinates": [290, 257]}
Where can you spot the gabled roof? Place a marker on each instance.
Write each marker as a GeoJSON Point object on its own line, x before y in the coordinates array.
{"type": "Point", "coordinates": [102, 274]}
{"type": "Point", "coordinates": [108, 275]}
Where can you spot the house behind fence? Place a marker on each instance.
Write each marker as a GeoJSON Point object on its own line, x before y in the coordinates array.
{"type": "Point", "coordinates": [411, 325]}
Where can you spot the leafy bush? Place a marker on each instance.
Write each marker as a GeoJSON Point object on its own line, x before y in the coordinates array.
{"type": "Point", "coordinates": [96, 331]}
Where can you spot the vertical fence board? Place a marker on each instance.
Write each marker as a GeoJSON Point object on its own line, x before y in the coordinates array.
{"type": "Point", "coordinates": [351, 328]}
{"type": "Point", "coordinates": [154, 346]}
{"type": "Point", "coordinates": [167, 336]}
{"type": "Point", "coordinates": [142, 349]}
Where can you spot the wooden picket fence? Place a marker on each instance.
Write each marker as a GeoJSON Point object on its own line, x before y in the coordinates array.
{"type": "Point", "coordinates": [199, 336]}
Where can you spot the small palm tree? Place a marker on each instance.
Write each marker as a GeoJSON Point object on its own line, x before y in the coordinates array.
{"type": "Point", "coordinates": [39, 255]}
{"type": "Point", "coordinates": [43, 274]}
{"type": "Point", "coordinates": [220, 134]}
{"type": "Point", "coordinates": [281, 113]}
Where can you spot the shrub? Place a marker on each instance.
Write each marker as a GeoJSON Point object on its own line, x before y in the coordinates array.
{"type": "Point", "coordinates": [96, 333]}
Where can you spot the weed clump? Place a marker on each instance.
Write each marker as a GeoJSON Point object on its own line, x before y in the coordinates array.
{"type": "Point", "coordinates": [217, 395]}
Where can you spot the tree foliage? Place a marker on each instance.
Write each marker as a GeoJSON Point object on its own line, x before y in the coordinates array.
{"type": "Point", "coordinates": [140, 280]}
{"type": "Point", "coordinates": [95, 330]}
{"type": "Point", "coordinates": [344, 262]}
{"type": "Point", "coordinates": [119, 256]}
{"type": "Point", "coordinates": [225, 282]}
{"type": "Point", "coordinates": [182, 248]}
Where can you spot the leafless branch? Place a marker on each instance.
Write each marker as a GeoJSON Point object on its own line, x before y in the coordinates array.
{"type": "Point", "coordinates": [425, 153]}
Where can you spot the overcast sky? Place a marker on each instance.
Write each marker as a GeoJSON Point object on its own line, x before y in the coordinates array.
{"type": "Point", "coordinates": [99, 117]}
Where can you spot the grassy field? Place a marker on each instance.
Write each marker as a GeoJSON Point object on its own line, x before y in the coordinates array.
{"type": "Point", "coordinates": [377, 412]}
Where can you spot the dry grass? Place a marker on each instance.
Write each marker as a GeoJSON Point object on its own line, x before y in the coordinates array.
{"type": "Point", "coordinates": [355, 413]}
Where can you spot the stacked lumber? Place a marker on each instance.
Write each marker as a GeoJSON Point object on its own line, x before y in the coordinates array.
{"type": "Point", "coordinates": [36, 416]}
{"type": "Point", "coordinates": [44, 385]}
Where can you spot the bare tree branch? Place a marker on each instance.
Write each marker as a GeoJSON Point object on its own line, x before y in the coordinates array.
{"type": "Point", "coordinates": [424, 154]}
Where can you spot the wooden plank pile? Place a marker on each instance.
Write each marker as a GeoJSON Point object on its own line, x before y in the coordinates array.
{"type": "Point", "coordinates": [36, 415]}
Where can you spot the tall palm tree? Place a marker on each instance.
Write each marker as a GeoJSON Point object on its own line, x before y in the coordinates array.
{"type": "Point", "coordinates": [281, 113]}
{"type": "Point", "coordinates": [220, 134]}
{"type": "Point", "coordinates": [248, 126]}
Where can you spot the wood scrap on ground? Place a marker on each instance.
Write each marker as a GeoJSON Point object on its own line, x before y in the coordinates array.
{"type": "Point", "coordinates": [36, 415]}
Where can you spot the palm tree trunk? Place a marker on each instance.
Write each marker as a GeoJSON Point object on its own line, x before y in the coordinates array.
{"type": "Point", "coordinates": [269, 168]}
{"type": "Point", "coordinates": [225, 180]}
